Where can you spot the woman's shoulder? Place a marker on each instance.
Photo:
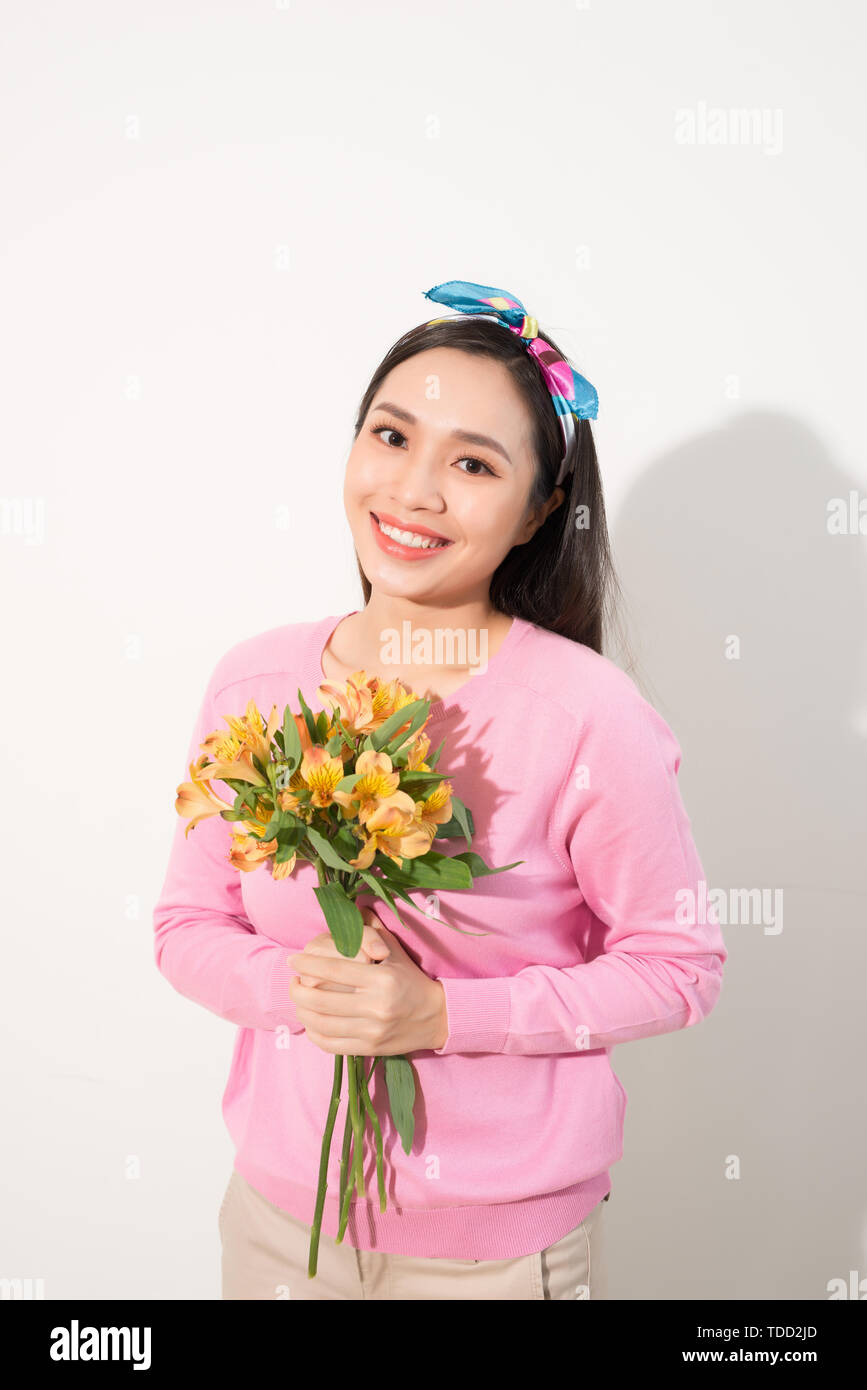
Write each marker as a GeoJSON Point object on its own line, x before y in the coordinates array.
{"type": "Point", "coordinates": [586, 684]}
{"type": "Point", "coordinates": [278, 650]}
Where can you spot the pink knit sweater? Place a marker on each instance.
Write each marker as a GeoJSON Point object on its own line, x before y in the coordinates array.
{"type": "Point", "coordinates": [598, 937]}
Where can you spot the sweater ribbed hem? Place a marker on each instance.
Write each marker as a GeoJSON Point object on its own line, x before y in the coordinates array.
{"type": "Point", "coordinates": [478, 1015]}
{"type": "Point", "coordinates": [500, 1231]}
{"type": "Point", "coordinates": [280, 1009]}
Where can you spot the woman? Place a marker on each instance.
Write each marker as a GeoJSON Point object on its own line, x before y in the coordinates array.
{"type": "Point", "coordinates": [492, 607]}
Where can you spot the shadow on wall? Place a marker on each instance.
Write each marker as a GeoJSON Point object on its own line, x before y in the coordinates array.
{"type": "Point", "coordinates": [746, 616]}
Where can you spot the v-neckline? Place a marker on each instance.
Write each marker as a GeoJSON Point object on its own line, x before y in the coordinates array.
{"type": "Point", "coordinates": [460, 698]}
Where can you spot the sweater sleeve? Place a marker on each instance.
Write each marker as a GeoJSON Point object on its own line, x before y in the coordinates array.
{"type": "Point", "coordinates": [622, 824]}
{"type": "Point", "coordinates": [204, 944]}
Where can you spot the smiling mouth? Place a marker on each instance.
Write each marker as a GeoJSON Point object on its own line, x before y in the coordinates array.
{"type": "Point", "coordinates": [411, 540]}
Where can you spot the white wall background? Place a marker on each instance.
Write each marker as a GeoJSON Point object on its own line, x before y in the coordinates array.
{"type": "Point", "coordinates": [217, 218]}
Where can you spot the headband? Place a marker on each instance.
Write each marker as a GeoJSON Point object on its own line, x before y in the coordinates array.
{"type": "Point", "coordinates": [573, 396]}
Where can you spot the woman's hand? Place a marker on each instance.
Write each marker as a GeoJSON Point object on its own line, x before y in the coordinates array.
{"type": "Point", "coordinates": [386, 1005]}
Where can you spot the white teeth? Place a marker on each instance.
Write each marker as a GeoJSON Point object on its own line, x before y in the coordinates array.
{"type": "Point", "coordinates": [410, 538]}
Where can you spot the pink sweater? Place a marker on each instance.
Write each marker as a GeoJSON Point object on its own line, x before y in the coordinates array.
{"type": "Point", "coordinates": [590, 942]}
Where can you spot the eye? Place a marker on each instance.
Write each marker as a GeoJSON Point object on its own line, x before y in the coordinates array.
{"type": "Point", "coordinates": [379, 429]}
{"type": "Point", "coordinates": [481, 465]}
{"type": "Point", "coordinates": [387, 429]}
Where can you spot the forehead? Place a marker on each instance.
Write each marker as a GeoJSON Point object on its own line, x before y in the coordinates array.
{"type": "Point", "coordinates": [444, 386]}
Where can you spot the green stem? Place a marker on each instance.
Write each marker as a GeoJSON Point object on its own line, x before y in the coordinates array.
{"type": "Point", "coordinates": [357, 1127]}
{"type": "Point", "coordinates": [342, 1205]}
{"type": "Point", "coordinates": [323, 1165]}
{"type": "Point", "coordinates": [344, 1212]}
{"type": "Point", "coordinates": [374, 1120]}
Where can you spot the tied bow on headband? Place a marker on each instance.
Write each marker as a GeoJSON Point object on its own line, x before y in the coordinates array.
{"type": "Point", "coordinates": [573, 396]}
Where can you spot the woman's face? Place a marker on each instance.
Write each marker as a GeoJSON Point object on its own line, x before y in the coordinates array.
{"type": "Point", "coordinates": [413, 466]}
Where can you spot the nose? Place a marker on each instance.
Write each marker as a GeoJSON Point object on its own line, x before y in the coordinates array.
{"type": "Point", "coordinates": [417, 485]}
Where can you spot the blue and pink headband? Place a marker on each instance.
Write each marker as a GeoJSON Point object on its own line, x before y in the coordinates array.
{"type": "Point", "coordinates": [573, 396]}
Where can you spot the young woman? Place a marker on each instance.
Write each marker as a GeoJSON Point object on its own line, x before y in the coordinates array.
{"type": "Point", "coordinates": [474, 499]}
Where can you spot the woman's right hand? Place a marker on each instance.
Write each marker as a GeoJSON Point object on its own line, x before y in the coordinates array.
{"type": "Point", "coordinates": [372, 949]}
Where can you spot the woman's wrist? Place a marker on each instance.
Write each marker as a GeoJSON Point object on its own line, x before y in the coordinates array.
{"type": "Point", "coordinates": [440, 1022]}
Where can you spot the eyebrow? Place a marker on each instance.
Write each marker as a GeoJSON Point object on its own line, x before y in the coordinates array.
{"type": "Point", "coordinates": [468, 436]}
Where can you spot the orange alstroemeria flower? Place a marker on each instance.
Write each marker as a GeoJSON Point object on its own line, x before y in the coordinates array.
{"type": "Point", "coordinates": [197, 799]}
{"type": "Point", "coordinates": [436, 809]}
{"type": "Point", "coordinates": [247, 734]}
{"type": "Point", "coordinates": [248, 853]}
{"type": "Point", "coordinates": [321, 773]}
{"type": "Point", "coordinates": [393, 828]}
{"type": "Point", "coordinates": [352, 700]}
{"type": "Point", "coordinates": [418, 751]}
{"type": "Point", "coordinates": [364, 702]}
{"type": "Point", "coordinates": [377, 783]}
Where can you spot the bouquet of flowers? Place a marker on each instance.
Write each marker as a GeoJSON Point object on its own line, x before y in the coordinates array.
{"type": "Point", "coordinates": [355, 791]}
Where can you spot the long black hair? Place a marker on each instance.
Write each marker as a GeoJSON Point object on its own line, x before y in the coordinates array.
{"type": "Point", "coordinates": [563, 578]}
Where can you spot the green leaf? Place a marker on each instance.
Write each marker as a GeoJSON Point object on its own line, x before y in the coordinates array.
{"type": "Point", "coordinates": [477, 866]}
{"type": "Point", "coordinates": [326, 851]}
{"type": "Point", "coordinates": [291, 740]}
{"type": "Point", "coordinates": [308, 718]}
{"type": "Point", "coordinates": [378, 887]}
{"type": "Point", "coordinates": [431, 870]}
{"type": "Point", "coordinates": [461, 823]}
{"type": "Point", "coordinates": [346, 844]}
{"type": "Point", "coordinates": [338, 723]}
{"type": "Point", "coordinates": [345, 922]}
{"type": "Point", "coordinates": [400, 1081]}
{"type": "Point", "coordinates": [420, 784]}
{"type": "Point", "coordinates": [416, 712]}
{"type": "Point", "coordinates": [400, 892]}
{"type": "Point", "coordinates": [433, 758]}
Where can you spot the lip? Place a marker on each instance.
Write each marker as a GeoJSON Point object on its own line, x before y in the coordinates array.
{"type": "Point", "coordinates": [402, 526]}
{"type": "Point", "coordinates": [405, 552]}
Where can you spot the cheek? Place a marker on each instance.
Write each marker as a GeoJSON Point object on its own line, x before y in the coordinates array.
{"type": "Point", "coordinates": [488, 523]}
{"type": "Point", "coordinates": [364, 471]}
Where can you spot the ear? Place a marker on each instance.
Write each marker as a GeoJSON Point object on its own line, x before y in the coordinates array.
{"type": "Point", "coordinates": [540, 515]}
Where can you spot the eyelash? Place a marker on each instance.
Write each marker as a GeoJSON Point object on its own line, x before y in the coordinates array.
{"type": "Point", "coordinates": [378, 429]}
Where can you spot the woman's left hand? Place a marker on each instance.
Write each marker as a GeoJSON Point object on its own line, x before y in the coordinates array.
{"type": "Point", "coordinates": [392, 1006]}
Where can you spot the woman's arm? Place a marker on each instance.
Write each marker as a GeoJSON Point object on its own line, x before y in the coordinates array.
{"type": "Point", "coordinates": [623, 825]}
{"type": "Point", "coordinates": [204, 943]}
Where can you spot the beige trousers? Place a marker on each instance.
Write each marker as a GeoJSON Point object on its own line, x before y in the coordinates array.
{"type": "Point", "coordinates": [265, 1252]}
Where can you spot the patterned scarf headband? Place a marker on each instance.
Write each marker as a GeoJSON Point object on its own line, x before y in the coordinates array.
{"type": "Point", "coordinates": [573, 396]}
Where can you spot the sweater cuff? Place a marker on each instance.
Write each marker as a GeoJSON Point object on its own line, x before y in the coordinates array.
{"type": "Point", "coordinates": [478, 1015]}
{"type": "Point", "coordinates": [280, 1009]}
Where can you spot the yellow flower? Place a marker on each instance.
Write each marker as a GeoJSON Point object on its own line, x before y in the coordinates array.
{"type": "Point", "coordinates": [388, 698]}
{"type": "Point", "coordinates": [436, 809]}
{"type": "Point", "coordinates": [284, 869]}
{"type": "Point", "coordinates": [321, 773]}
{"type": "Point", "coordinates": [418, 751]}
{"type": "Point", "coordinates": [248, 853]}
{"type": "Point", "coordinates": [352, 700]}
{"type": "Point", "coordinates": [378, 782]}
{"type": "Point", "coordinates": [197, 799]}
{"type": "Point", "coordinates": [394, 828]}
{"type": "Point", "coordinates": [249, 733]}
{"type": "Point", "coordinates": [365, 702]}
